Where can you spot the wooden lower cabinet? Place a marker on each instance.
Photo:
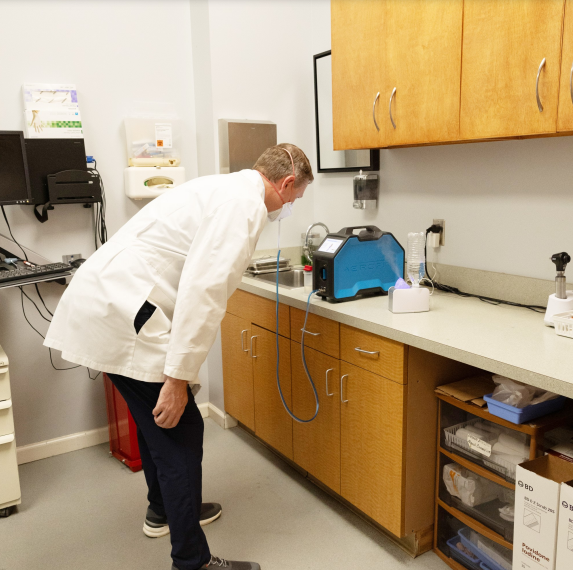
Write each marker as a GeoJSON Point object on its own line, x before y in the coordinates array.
{"type": "Point", "coordinates": [317, 444]}
{"type": "Point", "coordinates": [238, 369]}
{"type": "Point", "coordinates": [372, 445]}
{"type": "Point", "coordinates": [272, 422]}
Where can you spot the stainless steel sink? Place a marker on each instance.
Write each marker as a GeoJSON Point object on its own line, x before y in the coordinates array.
{"type": "Point", "coordinates": [291, 279]}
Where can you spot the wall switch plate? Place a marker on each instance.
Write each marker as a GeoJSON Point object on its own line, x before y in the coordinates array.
{"type": "Point", "coordinates": [441, 223]}
{"type": "Point", "coordinates": [70, 258]}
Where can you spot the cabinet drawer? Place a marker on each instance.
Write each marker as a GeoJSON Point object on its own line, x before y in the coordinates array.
{"type": "Point", "coordinates": [374, 353]}
{"type": "Point", "coordinates": [6, 417]}
{"type": "Point", "coordinates": [4, 383]}
{"type": "Point", "coordinates": [10, 488]}
{"type": "Point", "coordinates": [259, 311]}
{"type": "Point", "coordinates": [323, 334]}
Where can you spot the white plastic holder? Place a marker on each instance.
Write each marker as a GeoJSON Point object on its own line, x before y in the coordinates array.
{"type": "Point", "coordinates": [563, 323]}
{"type": "Point", "coordinates": [144, 183]}
{"type": "Point", "coordinates": [413, 300]}
{"type": "Point", "coordinates": [555, 306]}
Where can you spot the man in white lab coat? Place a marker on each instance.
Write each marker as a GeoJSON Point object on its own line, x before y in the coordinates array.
{"type": "Point", "coordinates": [145, 308]}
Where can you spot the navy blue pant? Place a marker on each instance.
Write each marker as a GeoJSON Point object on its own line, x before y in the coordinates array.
{"type": "Point", "coordinates": [171, 461]}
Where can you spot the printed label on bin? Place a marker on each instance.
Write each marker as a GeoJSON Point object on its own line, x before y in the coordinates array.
{"type": "Point", "coordinates": [163, 135]}
{"type": "Point", "coordinates": [479, 445]}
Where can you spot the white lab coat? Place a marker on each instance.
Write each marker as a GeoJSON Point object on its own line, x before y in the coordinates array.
{"type": "Point", "coordinates": [185, 253]}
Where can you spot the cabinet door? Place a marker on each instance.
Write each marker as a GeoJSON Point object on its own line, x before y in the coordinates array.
{"type": "Point", "coordinates": [372, 445]}
{"type": "Point", "coordinates": [317, 444]}
{"type": "Point", "coordinates": [357, 73]}
{"type": "Point", "coordinates": [565, 114]}
{"type": "Point", "coordinates": [504, 43]}
{"type": "Point", "coordinates": [272, 422]}
{"type": "Point", "coordinates": [423, 55]}
{"type": "Point", "coordinates": [238, 369]}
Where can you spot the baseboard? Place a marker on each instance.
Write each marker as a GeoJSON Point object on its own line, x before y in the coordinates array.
{"type": "Point", "coordinates": [59, 445]}
{"type": "Point", "coordinates": [75, 441]}
{"type": "Point", "coordinates": [223, 419]}
{"type": "Point", "coordinates": [204, 409]}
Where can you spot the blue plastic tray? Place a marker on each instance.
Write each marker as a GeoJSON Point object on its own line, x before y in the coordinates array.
{"type": "Point", "coordinates": [461, 557]}
{"type": "Point", "coordinates": [496, 567]}
{"type": "Point", "coordinates": [522, 415]}
{"type": "Point", "coordinates": [485, 559]}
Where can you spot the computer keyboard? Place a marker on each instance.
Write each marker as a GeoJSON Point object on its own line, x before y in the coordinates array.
{"type": "Point", "coordinates": [31, 271]}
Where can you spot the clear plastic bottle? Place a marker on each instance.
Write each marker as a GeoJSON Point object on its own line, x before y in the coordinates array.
{"type": "Point", "coordinates": [416, 258]}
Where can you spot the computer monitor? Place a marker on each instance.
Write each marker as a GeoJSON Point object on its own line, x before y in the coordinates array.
{"type": "Point", "coordinates": [50, 156]}
{"type": "Point", "coordinates": [14, 180]}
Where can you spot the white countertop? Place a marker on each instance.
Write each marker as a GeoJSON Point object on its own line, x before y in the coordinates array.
{"type": "Point", "coordinates": [505, 340]}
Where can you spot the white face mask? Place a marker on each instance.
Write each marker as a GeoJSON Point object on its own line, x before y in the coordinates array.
{"type": "Point", "coordinates": [280, 214]}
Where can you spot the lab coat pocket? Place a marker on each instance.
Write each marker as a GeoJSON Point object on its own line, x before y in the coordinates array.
{"type": "Point", "coordinates": [157, 329]}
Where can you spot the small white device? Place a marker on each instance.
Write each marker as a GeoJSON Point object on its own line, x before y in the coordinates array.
{"type": "Point", "coordinates": [562, 300]}
{"type": "Point", "coordinates": [144, 183]}
{"type": "Point", "coordinates": [414, 299]}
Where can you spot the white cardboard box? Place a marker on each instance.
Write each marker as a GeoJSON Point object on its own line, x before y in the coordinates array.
{"type": "Point", "coordinates": [537, 492]}
{"type": "Point", "coordinates": [565, 528]}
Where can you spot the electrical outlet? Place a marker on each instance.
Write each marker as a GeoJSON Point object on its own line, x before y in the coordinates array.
{"type": "Point", "coordinates": [70, 258]}
{"type": "Point", "coordinates": [441, 223]}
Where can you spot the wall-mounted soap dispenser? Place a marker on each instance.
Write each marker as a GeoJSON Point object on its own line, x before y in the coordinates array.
{"type": "Point", "coordinates": [366, 191]}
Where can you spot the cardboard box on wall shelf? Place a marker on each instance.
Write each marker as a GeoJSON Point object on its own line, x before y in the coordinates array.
{"type": "Point", "coordinates": [537, 500]}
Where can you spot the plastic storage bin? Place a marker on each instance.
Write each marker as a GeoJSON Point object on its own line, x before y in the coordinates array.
{"type": "Point", "coordinates": [472, 563]}
{"type": "Point", "coordinates": [496, 464]}
{"type": "Point", "coordinates": [489, 498]}
{"type": "Point", "coordinates": [153, 141]}
{"type": "Point", "coordinates": [483, 548]}
{"type": "Point", "coordinates": [523, 415]}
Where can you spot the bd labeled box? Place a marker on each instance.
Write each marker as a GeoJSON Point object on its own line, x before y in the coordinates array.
{"type": "Point", "coordinates": [537, 500]}
{"type": "Point", "coordinates": [565, 528]}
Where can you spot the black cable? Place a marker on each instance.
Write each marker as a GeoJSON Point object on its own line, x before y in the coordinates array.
{"type": "Point", "coordinates": [12, 235]}
{"type": "Point", "coordinates": [22, 295]}
{"type": "Point", "coordinates": [455, 291]}
{"type": "Point", "coordinates": [42, 299]}
{"type": "Point", "coordinates": [99, 212]}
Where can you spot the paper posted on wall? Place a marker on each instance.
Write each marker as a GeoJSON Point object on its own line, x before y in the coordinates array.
{"type": "Point", "coordinates": [52, 111]}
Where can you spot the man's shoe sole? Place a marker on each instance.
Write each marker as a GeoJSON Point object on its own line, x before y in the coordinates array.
{"type": "Point", "coordinates": [153, 532]}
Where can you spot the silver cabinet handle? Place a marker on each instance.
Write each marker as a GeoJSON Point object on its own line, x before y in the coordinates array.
{"type": "Point", "coordinates": [390, 107]}
{"type": "Point", "coordinates": [242, 342]}
{"type": "Point", "coordinates": [308, 332]}
{"type": "Point", "coordinates": [341, 391]}
{"type": "Point", "coordinates": [374, 111]}
{"type": "Point", "coordinates": [252, 351]}
{"type": "Point", "coordinates": [357, 349]}
{"type": "Point", "coordinates": [539, 105]}
{"type": "Point", "coordinates": [329, 370]}
{"type": "Point", "coordinates": [571, 83]}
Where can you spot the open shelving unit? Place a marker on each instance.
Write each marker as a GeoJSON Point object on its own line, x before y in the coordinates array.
{"type": "Point", "coordinates": [458, 410]}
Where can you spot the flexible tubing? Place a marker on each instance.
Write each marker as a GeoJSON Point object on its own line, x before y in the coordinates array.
{"type": "Point", "coordinates": [291, 414]}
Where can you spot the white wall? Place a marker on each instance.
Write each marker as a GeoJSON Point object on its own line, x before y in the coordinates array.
{"type": "Point", "coordinates": [117, 53]}
{"type": "Point", "coordinates": [506, 204]}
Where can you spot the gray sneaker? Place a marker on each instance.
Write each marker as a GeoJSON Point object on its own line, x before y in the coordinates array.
{"type": "Point", "coordinates": [230, 564]}
{"type": "Point", "coordinates": [155, 526]}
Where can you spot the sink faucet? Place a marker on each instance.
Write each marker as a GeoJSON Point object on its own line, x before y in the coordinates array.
{"type": "Point", "coordinates": [306, 248]}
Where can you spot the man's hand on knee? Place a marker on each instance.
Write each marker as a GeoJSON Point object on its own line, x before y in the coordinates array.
{"type": "Point", "coordinates": [171, 403]}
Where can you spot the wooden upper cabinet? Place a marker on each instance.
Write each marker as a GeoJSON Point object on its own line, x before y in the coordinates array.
{"type": "Point", "coordinates": [357, 73]}
{"type": "Point", "coordinates": [565, 113]}
{"type": "Point", "coordinates": [504, 43]}
{"type": "Point", "coordinates": [423, 54]}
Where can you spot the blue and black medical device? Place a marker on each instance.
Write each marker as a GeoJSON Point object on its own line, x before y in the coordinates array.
{"type": "Point", "coordinates": [348, 265]}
